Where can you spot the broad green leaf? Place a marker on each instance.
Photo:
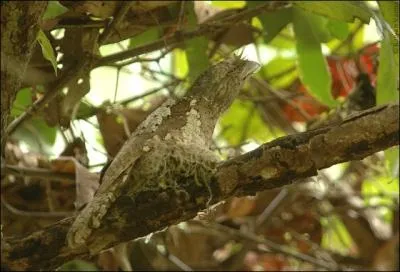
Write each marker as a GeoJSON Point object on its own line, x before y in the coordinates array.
{"type": "Point", "coordinates": [228, 4]}
{"type": "Point", "coordinates": [180, 63]}
{"type": "Point", "coordinates": [379, 191]}
{"type": "Point", "coordinates": [392, 161]}
{"type": "Point", "coordinates": [47, 49]}
{"type": "Point", "coordinates": [358, 39]}
{"type": "Point", "coordinates": [278, 72]}
{"type": "Point", "coordinates": [390, 11]}
{"type": "Point", "coordinates": [54, 8]}
{"type": "Point", "coordinates": [285, 39]}
{"type": "Point", "coordinates": [273, 22]}
{"type": "Point", "coordinates": [240, 117]}
{"type": "Point", "coordinates": [345, 11]}
{"type": "Point", "coordinates": [196, 53]}
{"type": "Point", "coordinates": [196, 49]}
{"type": "Point", "coordinates": [22, 101]}
{"type": "Point", "coordinates": [85, 110]}
{"type": "Point", "coordinates": [313, 68]}
{"type": "Point", "coordinates": [37, 135]}
{"type": "Point", "coordinates": [338, 29]}
{"type": "Point", "coordinates": [77, 265]}
{"type": "Point", "coordinates": [335, 235]}
{"type": "Point", "coordinates": [148, 36]}
{"type": "Point", "coordinates": [388, 73]}
{"type": "Point", "coordinates": [319, 26]}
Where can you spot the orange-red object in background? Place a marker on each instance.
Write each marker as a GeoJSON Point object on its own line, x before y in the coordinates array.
{"type": "Point", "coordinates": [344, 72]}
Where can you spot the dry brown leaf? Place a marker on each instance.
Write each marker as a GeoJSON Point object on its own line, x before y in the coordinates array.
{"type": "Point", "coordinates": [241, 206]}
{"type": "Point", "coordinates": [86, 182]}
{"type": "Point", "coordinates": [386, 255]}
{"type": "Point", "coordinates": [114, 125]}
{"type": "Point", "coordinates": [100, 9]}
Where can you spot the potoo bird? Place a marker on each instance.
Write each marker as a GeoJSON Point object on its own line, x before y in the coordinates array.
{"type": "Point", "coordinates": [170, 147]}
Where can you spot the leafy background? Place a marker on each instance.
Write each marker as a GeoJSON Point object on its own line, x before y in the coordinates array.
{"type": "Point", "coordinates": [311, 55]}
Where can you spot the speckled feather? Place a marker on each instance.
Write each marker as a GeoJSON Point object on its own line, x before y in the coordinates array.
{"type": "Point", "coordinates": [187, 123]}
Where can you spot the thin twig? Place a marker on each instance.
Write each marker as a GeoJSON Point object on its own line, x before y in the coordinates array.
{"type": "Point", "coordinates": [39, 104]}
{"type": "Point", "coordinates": [302, 112]}
{"type": "Point", "coordinates": [115, 22]}
{"type": "Point", "coordinates": [181, 36]}
{"type": "Point", "coordinates": [155, 90]}
{"type": "Point", "coordinates": [16, 211]}
{"type": "Point", "coordinates": [271, 245]}
{"type": "Point", "coordinates": [37, 173]}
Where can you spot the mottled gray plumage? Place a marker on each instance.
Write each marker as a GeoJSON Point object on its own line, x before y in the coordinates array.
{"type": "Point", "coordinates": [171, 145]}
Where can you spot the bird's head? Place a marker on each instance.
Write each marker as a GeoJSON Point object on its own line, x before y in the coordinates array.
{"type": "Point", "coordinates": [221, 83]}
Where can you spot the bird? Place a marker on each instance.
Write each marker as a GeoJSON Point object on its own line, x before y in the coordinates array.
{"type": "Point", "coordinates": [170, 147]}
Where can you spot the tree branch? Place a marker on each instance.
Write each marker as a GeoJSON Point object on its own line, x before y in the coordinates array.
{"type": "Point", "coordinates": [19, 28]}
{"type": "Point", "coordinates": [274, 164]}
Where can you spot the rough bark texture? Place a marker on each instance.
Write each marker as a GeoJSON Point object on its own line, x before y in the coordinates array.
{"type": "Point", "coordinates": [19, 28]}
{"type": "Point", "coordinates": [274, 164]}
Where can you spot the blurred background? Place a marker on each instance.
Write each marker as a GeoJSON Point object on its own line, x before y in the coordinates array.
{"type": "Point", "coordinates": [317, 67]}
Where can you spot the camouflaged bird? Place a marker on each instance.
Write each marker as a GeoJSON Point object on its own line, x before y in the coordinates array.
{"type": "Point", "coordinates": [172, 144]}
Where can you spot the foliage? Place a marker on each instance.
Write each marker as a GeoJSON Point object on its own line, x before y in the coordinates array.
{"type": "Point", "coordinates": [311, 54]}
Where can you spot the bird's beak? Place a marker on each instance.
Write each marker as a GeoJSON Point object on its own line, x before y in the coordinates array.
{"type": "Point", "coordinates": [250, 68]}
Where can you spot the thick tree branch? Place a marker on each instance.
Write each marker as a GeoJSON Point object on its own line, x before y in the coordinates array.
{"type": "Point", "coordinates": [19, 28]}
{"type": "Point", "coordinates": [275, 164]}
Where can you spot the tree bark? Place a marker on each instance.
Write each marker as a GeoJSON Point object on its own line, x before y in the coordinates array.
{"type": "Point", "coordinates": [19, 28]}
{"type": "Point", "coordinates": [274, 164]}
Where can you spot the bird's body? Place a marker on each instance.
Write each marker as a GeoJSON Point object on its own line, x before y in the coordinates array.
{"type": "Point", "coordinates": [170, 147]}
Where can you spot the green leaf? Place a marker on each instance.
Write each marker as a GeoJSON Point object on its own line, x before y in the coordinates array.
{"type": "Point", "coordinates": [180, 63]}
{"type": "Point", "coordinates": [196, 53]}
{"type": "Point", "coordinates": [37, 135]}
{"type": "Point", "coordinates": [388, 73]}
{"type": "Point", "coordinates": [77, 265]}
{"type": "Point", "coordinates": [345, 11]}
{"type": "Point", "coordinates": [196, 49]}
{"type": "Point", "coordinates": [338, 29]}
{"type": "Point", "coordinates": [390, 11]}
{"type": "Point", "coordinates": [239, 118]}
{"type": "Point", "coordinates": [278, 72]}
{"type": "Point", "coordinates": [392, 161]}
{"type": "Point", "coordinates": [312, 65]}
{"type": "Point", "coordinates": [228, 4]}
{"type": "Point", "coordinates": [54, 8]}
{"type": "Point", "coordinates": [272, 22]}
{"type": "Point", "coordinates": [148, 36]}
{"type": "Point", "coordinates": [47, 49]}
{"type": "Point", "coordinates": [22, 101]}
{"type": "Point", "coordinates": [284, 40]}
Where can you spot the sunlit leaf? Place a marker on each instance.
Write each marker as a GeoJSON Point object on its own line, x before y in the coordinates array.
{"type": "Point", "coordinates": [390, 11]}
{"type": "Point", "coordinates": [54, 8]}
{"type": "Point", "coordinates": [338, 29]}
{"type": "Point", "coordinates": [180, 63]}
{"type": "Point", "coordinates": [312, 65]}
{"type": "Point", "coordinates": [47, 49]}
{"type": "Point", "coordinates": [284, 40]}
{"type": "Point", "coordinates": [273, 22]}
{"type": "Point", "coordinates": [148, 36]}
{"type": "Point", "coordinates": [228, 4]}
{"type": "Point", "coordinates": [338, 10]}
{"type": "Point", "coordinates": [196, 49]}
{"type": "Point", "coordinates": [37, 135]}
{"type": "Point", "coordinates": [392, 161]}
{"type": "Point", "coordinates": [388, 74]}
{"type": "Point", "coordinates": [242, 118]}
{"type": "Point", "coordinates": [77, 265]}
{"type": "Point", "coordinates": [22, 101]}
{"type": "Point", "coordinates": [280, 72]}
{"type": "Point", "coordinates": [335, 236]}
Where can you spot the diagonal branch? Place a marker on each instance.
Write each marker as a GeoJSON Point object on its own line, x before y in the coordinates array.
{"type": "Point", "coordinates": [274, 164]}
